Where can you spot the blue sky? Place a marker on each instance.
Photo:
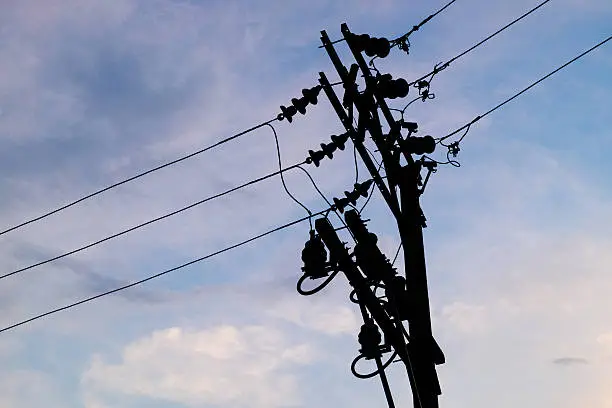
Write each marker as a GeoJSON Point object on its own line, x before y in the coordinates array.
{"type": "Point", "coordinates": [93, 91]}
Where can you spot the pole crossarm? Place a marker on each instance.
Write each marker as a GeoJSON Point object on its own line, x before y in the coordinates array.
{"type": "Point", "coordinates": [357, 136]}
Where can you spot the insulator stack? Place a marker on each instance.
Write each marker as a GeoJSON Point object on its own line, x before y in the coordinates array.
{"type": "Point", "coordinates": [309, 97]}
{"type": "Point", "coordinates": [418, 145]}
{"type": "Point", "coordinates": [327, 150]}
{"type": "Point", "coordinates": [372, 46]}
{"type": "Point", "coordinates": [392, 88]}
{"type": "Point", "coordinates": [351, 197]}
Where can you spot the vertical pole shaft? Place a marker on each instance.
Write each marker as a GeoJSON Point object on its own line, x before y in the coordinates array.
{"type": "Point", "coordinates": [421, 339]}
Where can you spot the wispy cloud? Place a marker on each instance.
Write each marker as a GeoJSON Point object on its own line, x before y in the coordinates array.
{"type": "Point", "coordinates": [569, 361]}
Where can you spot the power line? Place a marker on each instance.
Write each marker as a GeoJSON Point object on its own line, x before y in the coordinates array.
{"type": "Point", "coordinates": [157, 275]}
{"type": "Point", "coordinates": [404, 38]}
{"type": "Point", "coordinates": [137, 176]}
{"type": "Point", "coordinates": [516, 95]}
{"type": "Point", "coordinates": [128, 230]}
{"type": "Point", "coordinates": [402, 41]}
{"type": "Point", "coordinates": [478, 44]}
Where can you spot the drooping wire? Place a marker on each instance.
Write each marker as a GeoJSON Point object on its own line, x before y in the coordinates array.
{"type": "Point", "coordinates": [157, 275]}
{"type": "Point", "coordinates": [408, 104]}
{"type": "Point", "coordinates": [154, 220]}
{"type": "Point", "coordinates": [403, 110]}
{"type": "Point", "coordinates": [467, 126]}
{"type": "Point", "coordinates": [314, 184]}
{"type": "Point", "coordinates": [280, 166]}
{"type": "Point", "coordinates": [440, 67]}
{"type": "Point", "coordinates": [132, 178]}
{"type": "Point", "coordinates": [331, 277]}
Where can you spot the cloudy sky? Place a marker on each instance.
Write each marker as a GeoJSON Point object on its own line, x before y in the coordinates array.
{"type": "Point", "coordinates": [94, 91]}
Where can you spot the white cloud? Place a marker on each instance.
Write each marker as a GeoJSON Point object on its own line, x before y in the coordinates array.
{"type": "Point", "coordinates": [527, 290]}
{"type": "Point", "coordinates": [226, 365]}
{"type": "Point", "coordinates": [318, 314]}
{"type": "Point", "coordinates": [466, 318]}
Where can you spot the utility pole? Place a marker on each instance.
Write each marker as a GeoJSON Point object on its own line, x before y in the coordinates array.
{"type": "Point", "coordinates": [405, 297]}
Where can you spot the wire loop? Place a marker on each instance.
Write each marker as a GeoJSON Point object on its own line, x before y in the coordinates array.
{"type": "Point", "coordinates": [373, 373]}
{"type": "Point", "coordinates": [308, 292]}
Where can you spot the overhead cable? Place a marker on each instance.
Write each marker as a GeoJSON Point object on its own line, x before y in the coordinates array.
{"type": "Point", "coordinates": [404, 38]}
{"type": "Point", "coordinates": [516, 95]}
{"type": "Point", "coordinates": [157, 275]}
{"type": "Point", "coordinates": [154, 220]}
{"type": "Point", "coordinates": [440, 67]}
{"type": "Point", "coordinates": [134, 177]}
{"type": "Point", "coordinates": [403, 42]}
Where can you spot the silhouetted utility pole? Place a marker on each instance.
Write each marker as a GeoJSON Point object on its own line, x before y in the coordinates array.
{"type": "Point", "coordinates": [367, 269]}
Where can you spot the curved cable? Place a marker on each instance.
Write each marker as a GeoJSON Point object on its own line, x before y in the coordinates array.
{"type": "Point", "coordinates": [373, 373]}
{"type": "Point", "coordinates": [314, 184]}
{"type": "Point", "coordinates": [450, 161]}
{"type": "Point", "coordinates": [516, 95]}
{"type": "Point", "coordinates": [317, 289]}
{"type": "Point", "coordinates": [132, 178]}
{"type": "Point", "coordinates": [128, 230]}
{"type": "Point", "coordinates": [280, 166]}
{"type": "Point", "coordinates": [157, 275]}
{"type": "Point", "coordinates": [478, 44]}
{"type": "Point", "coordinates": [403, 110]}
